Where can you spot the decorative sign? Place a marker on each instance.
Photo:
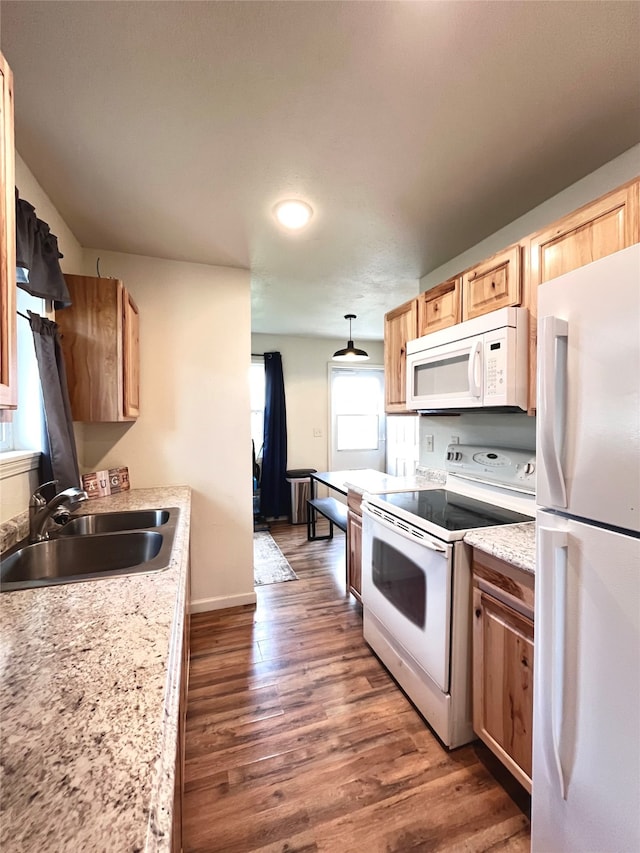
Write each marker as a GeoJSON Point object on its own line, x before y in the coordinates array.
{"type": "Point", "coordinates": [99, 484]}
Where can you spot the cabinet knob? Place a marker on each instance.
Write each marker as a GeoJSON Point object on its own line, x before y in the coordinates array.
{"type": "Point", "coordinates": [478, 612]}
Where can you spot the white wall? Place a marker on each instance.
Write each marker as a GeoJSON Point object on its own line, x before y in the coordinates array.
{"type": "Point", "coordinates": [31, 191]}
{"type": "Point", "coordinates": [514, 430]}
{"type": "Point", "coordinates": [614, 173]}
{"type": "Point", "coordinates": [194, 423]}
{"type": "Point", "coordinates": [16, 488]}
{"type": "Point", "coordinates": [304, 365]}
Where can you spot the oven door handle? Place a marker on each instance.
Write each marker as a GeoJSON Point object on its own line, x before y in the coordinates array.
{"type": "Point", "coordinates": [406, 531]}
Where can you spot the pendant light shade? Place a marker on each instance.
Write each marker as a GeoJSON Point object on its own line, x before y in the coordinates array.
{"type": "Point", "coordinates": [350, 352]}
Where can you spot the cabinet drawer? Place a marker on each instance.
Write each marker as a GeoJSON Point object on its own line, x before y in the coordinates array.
{"type": "Point", "coordinates": [494, 284]}
{"type": "Point", "coordinates": [503, 581]}
{"type": "Point", "coordinates": [354, 501]}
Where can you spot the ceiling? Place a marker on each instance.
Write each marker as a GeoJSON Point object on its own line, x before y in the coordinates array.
{"type": "Point", "coordinates": [414, 129]}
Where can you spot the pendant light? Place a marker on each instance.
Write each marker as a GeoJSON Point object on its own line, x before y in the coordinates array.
{"type": "Point", "coordinates": [350, 353]}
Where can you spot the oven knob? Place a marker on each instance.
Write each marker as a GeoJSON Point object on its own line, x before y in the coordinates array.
{"type": "Point", "coordinates": [457, 456]}
{"type": "Point", "coordinates": [449, 455]}
{"type": "Point", "coordinates": [529, 468]}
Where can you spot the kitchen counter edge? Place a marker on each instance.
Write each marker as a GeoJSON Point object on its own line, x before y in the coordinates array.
{"type": "Point", "coordinates": [110, 783]}
{"type": "Point", "coordinates": [513, 543]}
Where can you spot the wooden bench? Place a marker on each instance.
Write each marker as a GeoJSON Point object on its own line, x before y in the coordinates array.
{"type": "Point", "coordinates": [331, 509]}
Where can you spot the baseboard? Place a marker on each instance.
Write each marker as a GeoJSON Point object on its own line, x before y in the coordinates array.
{"type": "Point", "coordinates": [201, 605]}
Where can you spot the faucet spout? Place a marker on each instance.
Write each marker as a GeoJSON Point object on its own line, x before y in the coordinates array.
{"type": "Point", "coordinates": [41, 512]}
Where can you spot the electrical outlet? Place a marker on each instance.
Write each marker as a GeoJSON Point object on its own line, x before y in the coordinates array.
{"type": "Point", "coordinates": [317, 432]}
{"type": "Point", "coordinates": [455, 439]}
{"type": "Point", "coordinates": [428, 443]}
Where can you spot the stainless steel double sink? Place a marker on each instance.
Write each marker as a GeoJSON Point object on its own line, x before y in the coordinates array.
{"type": "Point", "coordinates": [90, 547]}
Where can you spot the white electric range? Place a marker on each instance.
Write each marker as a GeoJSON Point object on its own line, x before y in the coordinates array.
{"type": "Point", "coordinates": [416, 576]}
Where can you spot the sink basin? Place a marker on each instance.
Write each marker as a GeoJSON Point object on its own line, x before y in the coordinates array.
{"type": "Point", "coordinates": [109, 522]}
{"type": "Point", "coordinates": [104, 546]}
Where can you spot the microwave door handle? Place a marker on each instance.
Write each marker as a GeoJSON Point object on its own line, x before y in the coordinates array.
{"type": "Point", "coordinates": [474, 384]}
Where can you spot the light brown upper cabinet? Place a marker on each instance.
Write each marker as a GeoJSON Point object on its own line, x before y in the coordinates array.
{"type": "Point", "coordinates": [8, 366]}
{"type": "Point", "coordinates": [440, 307]}
{"type": "Point", "coordinates": [400, 326]}
{"type": "Point", "coordinates": [598, 229]}
{"type": "Point", "coordinates": [100, 341]}
{"type": "Point", "coordinates": [495, 283]}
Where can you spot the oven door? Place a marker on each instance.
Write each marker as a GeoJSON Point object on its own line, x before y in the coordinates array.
{"type": "Point", "coordinates": [407, 584]}
{"type": "Point", "coordinates": [447, 376]}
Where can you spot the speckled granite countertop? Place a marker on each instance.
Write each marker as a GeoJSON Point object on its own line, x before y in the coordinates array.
{"type": "Point", "coordinates": [90, 676]}
{"type": "Point", "coordinates": [515, 543]}
{"type": "Point", "coordinates": [375, 482]}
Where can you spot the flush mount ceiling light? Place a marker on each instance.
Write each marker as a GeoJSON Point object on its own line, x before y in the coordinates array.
{"type": "Point", "coordinates": [350, 353]}
{"type": "Point", "coordinates": [293, 214]}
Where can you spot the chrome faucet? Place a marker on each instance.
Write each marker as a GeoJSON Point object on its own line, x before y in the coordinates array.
{"type": "Point", "coordinates": [41, 511]}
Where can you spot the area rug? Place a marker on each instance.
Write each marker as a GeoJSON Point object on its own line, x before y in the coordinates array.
{"type": "Point", "coordinates": [269, 563]}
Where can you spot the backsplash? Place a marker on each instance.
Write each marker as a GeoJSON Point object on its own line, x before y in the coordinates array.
{"type": "Point", "coordinates": [499, 430]}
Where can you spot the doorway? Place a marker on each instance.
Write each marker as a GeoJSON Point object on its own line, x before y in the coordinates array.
{"type": "Point", "coordinates": [357, 423]}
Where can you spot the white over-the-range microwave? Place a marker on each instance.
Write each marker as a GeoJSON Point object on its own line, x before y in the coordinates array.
{"type": "Point", "coordinates": [479, 364]}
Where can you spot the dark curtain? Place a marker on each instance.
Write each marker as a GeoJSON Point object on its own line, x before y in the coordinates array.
{"type": "Point", "coordinates": [38, 257]}
{"type": "Point", "coordinates": [274, 493]}
{"type": "Point", "coordinates": [60, 461]}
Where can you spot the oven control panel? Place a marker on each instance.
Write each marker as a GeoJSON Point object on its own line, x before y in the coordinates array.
{"type": "Point", "coordinates": [505, 466]}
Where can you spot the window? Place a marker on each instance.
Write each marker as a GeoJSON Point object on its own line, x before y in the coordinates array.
{"type": "Point", "coordinates": [257, 388]}
{"type": "Point", "coordinates": [25, 431]}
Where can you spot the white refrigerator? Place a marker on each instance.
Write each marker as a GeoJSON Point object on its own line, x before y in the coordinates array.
{"type": "Point", "coordinates": [586, 730]}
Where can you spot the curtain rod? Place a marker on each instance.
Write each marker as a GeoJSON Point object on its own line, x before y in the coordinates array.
{"type": "Point", "coordinates": [22, 315]}
{"type": "Point", "coordinates": [257, 354]}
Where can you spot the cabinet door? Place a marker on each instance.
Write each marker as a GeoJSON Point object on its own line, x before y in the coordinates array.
{"type": "Point", "coordinates": [493, 284]}
{"type": "Point", "coordinates": [605, 226]}
{"type": "Point", "coordinates": [440, 307]}
{"type": "Point", "coordinates": [8, 378]}
{"type": "Point", "coordinates": [131, 357]}
{"type": "Point", "coordinates": [503, 683]}
{"type": "Point", "coordinates": [354, 554]}
{"type": "Point", "coordinates": [400, 326]}
{"type": "Point", "coordinates": [100, 339]}
{"type": "Point", "coordinates": [598, 229]}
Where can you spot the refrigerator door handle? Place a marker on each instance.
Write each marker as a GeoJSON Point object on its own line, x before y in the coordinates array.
{"type": "Point", "coordinates": [553, 587]}
{"type": "Point", "coordinates": [551, 328]}
{"type": "Point", "coordinates": [474, 386]}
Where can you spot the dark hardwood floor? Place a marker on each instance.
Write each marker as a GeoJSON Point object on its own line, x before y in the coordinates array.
{"type": "Point", "coordinates": [298, 740]}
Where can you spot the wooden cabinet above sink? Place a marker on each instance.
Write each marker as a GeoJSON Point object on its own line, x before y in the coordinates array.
{"type": "Point", "coordinates": [100, 341]}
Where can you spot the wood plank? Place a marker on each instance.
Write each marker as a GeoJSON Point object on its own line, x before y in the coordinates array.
{"type": "Point", "coordinates": [299, 740]}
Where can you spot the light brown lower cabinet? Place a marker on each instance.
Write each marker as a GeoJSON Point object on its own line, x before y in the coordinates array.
{"type": "Point", "coordinates": [503, 662]}
{"type": "Point", "coordinates": [178, 790]}
{"type": "Point", "coordinates": [354, 544]}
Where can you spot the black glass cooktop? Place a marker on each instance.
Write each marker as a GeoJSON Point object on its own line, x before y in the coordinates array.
{"type": "Point", "coordinates": [452, 511]}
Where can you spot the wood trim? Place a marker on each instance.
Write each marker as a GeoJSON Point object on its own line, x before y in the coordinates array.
{"type": "Point", "coordinates": [354, 501]}
{"type": "Point", "coordinates": [507, 582]}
